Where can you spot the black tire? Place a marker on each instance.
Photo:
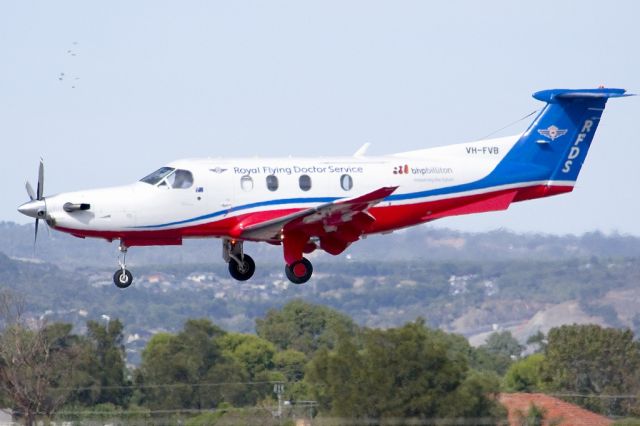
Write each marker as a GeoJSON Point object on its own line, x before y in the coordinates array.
{"type": "Point", "coordinates": [242, 272]}
{"type": "Point", "coordinates": [299, 279]}
{"type": "Point", "coordinates": [122, 278]}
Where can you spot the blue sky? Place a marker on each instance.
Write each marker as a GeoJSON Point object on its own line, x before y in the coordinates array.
{"type": "Point", "coordinates": [156, 81]}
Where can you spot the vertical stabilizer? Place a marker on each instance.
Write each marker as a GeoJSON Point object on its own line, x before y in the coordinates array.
{"type": "Point", "coordinates": [560, 137]}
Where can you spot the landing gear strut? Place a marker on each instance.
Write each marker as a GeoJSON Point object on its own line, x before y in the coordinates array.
{"type": "Point", "coordinates": [241, 266]}
{"type": "Point", "coordinates": [300, 271]}
{"type": "Point", "coordinates": [122, 278]}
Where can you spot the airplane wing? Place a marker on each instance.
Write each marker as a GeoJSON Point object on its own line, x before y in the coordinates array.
{"type": "Point", "coordinates": [348, 215]}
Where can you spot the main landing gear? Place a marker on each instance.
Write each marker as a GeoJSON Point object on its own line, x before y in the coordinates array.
{"type": "Point", "coordinates": [297, 268]}
{"type": "Point", "coordinates": [122, 277]}
{"type": "Point", "coordinates": [241, 266]}
{"type": "Point", "coordinates": [300, 271]}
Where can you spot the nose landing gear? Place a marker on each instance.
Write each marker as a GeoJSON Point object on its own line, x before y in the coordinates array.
{"type": "Point", "coordinates": [122, 277]}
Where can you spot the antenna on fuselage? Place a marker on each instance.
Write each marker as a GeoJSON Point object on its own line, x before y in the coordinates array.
{"type": "Point", "coordinates": [508, 125]}
{"type": "Point", "coordinates": [362, 151]}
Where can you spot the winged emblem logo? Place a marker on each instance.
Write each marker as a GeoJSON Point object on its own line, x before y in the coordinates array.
{"type": "Point", "coordinates": [552, 132]}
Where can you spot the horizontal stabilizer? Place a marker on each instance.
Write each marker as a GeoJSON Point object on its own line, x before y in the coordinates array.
{"type": "Point", "coordinates": [554, 95]}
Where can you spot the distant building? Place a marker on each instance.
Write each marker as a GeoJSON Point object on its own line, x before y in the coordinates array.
{"type": "Point", "coordinates": [6, 418]}
{"type": "Point", "coordinates": [557, 411]}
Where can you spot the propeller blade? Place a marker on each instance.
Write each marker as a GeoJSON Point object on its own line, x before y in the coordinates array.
{"type": "Point", "coordinates": [35, 238]}
{"type": "Point", "coordinates": [30, 191]}
{"type": "Point", "coordinates": [40, 179]}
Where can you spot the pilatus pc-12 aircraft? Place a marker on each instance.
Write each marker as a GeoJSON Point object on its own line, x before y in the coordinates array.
{"type": "Point", "coordinates": [305, 204]}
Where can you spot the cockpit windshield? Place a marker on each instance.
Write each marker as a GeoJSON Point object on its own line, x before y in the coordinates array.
{"type": "Point", "coordinates": [169, 177]}
{"type": "Point", "coordinates": [157, 176]}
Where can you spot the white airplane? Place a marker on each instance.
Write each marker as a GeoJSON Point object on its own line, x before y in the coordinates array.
{"type": "Point", "coordinates": [304, 204]}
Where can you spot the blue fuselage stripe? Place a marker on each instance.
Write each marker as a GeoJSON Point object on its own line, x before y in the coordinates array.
{"type": "Point", "coordinates": [246, 207]}
{"type": "Point", "coordinates": [487, 182]}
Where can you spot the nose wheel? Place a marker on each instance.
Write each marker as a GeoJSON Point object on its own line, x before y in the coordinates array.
{"type": "Point", "coordinates": [122, 278]}
{"type": "Point", "coordinates": [300, 271]}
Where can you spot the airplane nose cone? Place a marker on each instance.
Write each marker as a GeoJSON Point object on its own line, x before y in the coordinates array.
{"type": "Point", "coordinates": [36, 209]}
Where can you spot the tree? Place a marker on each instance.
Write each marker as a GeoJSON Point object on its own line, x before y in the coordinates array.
{"type": "Point", "coordinates": [525, 375]}
{"type": "Point", "coordinates": [405, 372]}
{"type": "Point", "coordinates": [108, 367]}
{"type": "Point", "coordinates": [591, 360]}
{"type": "Point", "coordinates": [337, 379]}
{"type": "Point", "coordinates": [483, 360]}
{"type": "Point", "coordinates": [174, 365]}
{"type": "Point", "coordinates": [503, 343]}
{"type": "Point", "coordinates": [37, 362]}
{"type": "Point", "coordinates": [534, 417]}
{"type": "Point", "coordinates": [233, 374]}
{"type": "Point", "coordinates": [303, 327]}
{"type": "Point", "coordinates": [475, 398]}
{"type": "Point", "coordinates": [538, 339]}
{"type": "Point", "coordinates": [498, 352]}
{"type": "Point", "coordinates": [193, 370]}
{"type": "Point", "coordinates": [291, 363]}
{"type": "Point", "coordinates": [255, 353]}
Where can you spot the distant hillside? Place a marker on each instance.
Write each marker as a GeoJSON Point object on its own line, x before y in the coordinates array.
{"type": "Point", "coordinates": [419, 243]}
{"type": "Point", "coordinates": [471, 284]}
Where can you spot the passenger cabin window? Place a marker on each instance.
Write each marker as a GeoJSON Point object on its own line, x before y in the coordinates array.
{"type": "Point", "coordinates": [305, 182]}
{"type": "Point", "coordinates": [272, 183]}
{"type": "Point", "coordinates": [246, 183]}
{"type": "Point", "coordinates": [346, 182]}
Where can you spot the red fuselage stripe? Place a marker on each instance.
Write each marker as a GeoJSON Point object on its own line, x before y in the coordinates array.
{"type": "Point", "coordinates": [388, 218]}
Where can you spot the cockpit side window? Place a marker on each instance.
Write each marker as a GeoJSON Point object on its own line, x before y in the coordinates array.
{"type": "Point", "coordinates": [157, 176]}
{"type": "Point", "coordinates": [181, 179]}
{"type": "Point", "coordinates": [169, 177]}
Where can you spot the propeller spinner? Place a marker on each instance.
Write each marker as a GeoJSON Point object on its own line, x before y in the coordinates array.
{"type": "Point", "coordinates": [36, 208]}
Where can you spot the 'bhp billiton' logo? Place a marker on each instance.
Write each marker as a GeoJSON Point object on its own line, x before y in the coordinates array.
{"type": "Point", "coordinates": [401, 170]}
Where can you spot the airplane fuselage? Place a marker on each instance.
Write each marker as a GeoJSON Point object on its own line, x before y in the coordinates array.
{"type": "Point", "coordinates": [225, 192]}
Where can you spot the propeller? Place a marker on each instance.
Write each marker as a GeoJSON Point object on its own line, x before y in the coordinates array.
{"type": "Point", "coordinates": [37, 207]}
{"type": "Point", "coordinates": [39, 192]}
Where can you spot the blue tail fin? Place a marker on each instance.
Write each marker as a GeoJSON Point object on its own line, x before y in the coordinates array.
{"type": "Point", "coordinates": [557, 141]}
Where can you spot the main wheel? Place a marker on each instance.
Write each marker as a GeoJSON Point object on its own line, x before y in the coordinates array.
{"type": "Point", "coordinates": [242, 271]}
{"type": "Point", "coordinates": [122, 278]}
{"type": "Point", "coordinates": [300, 271]}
